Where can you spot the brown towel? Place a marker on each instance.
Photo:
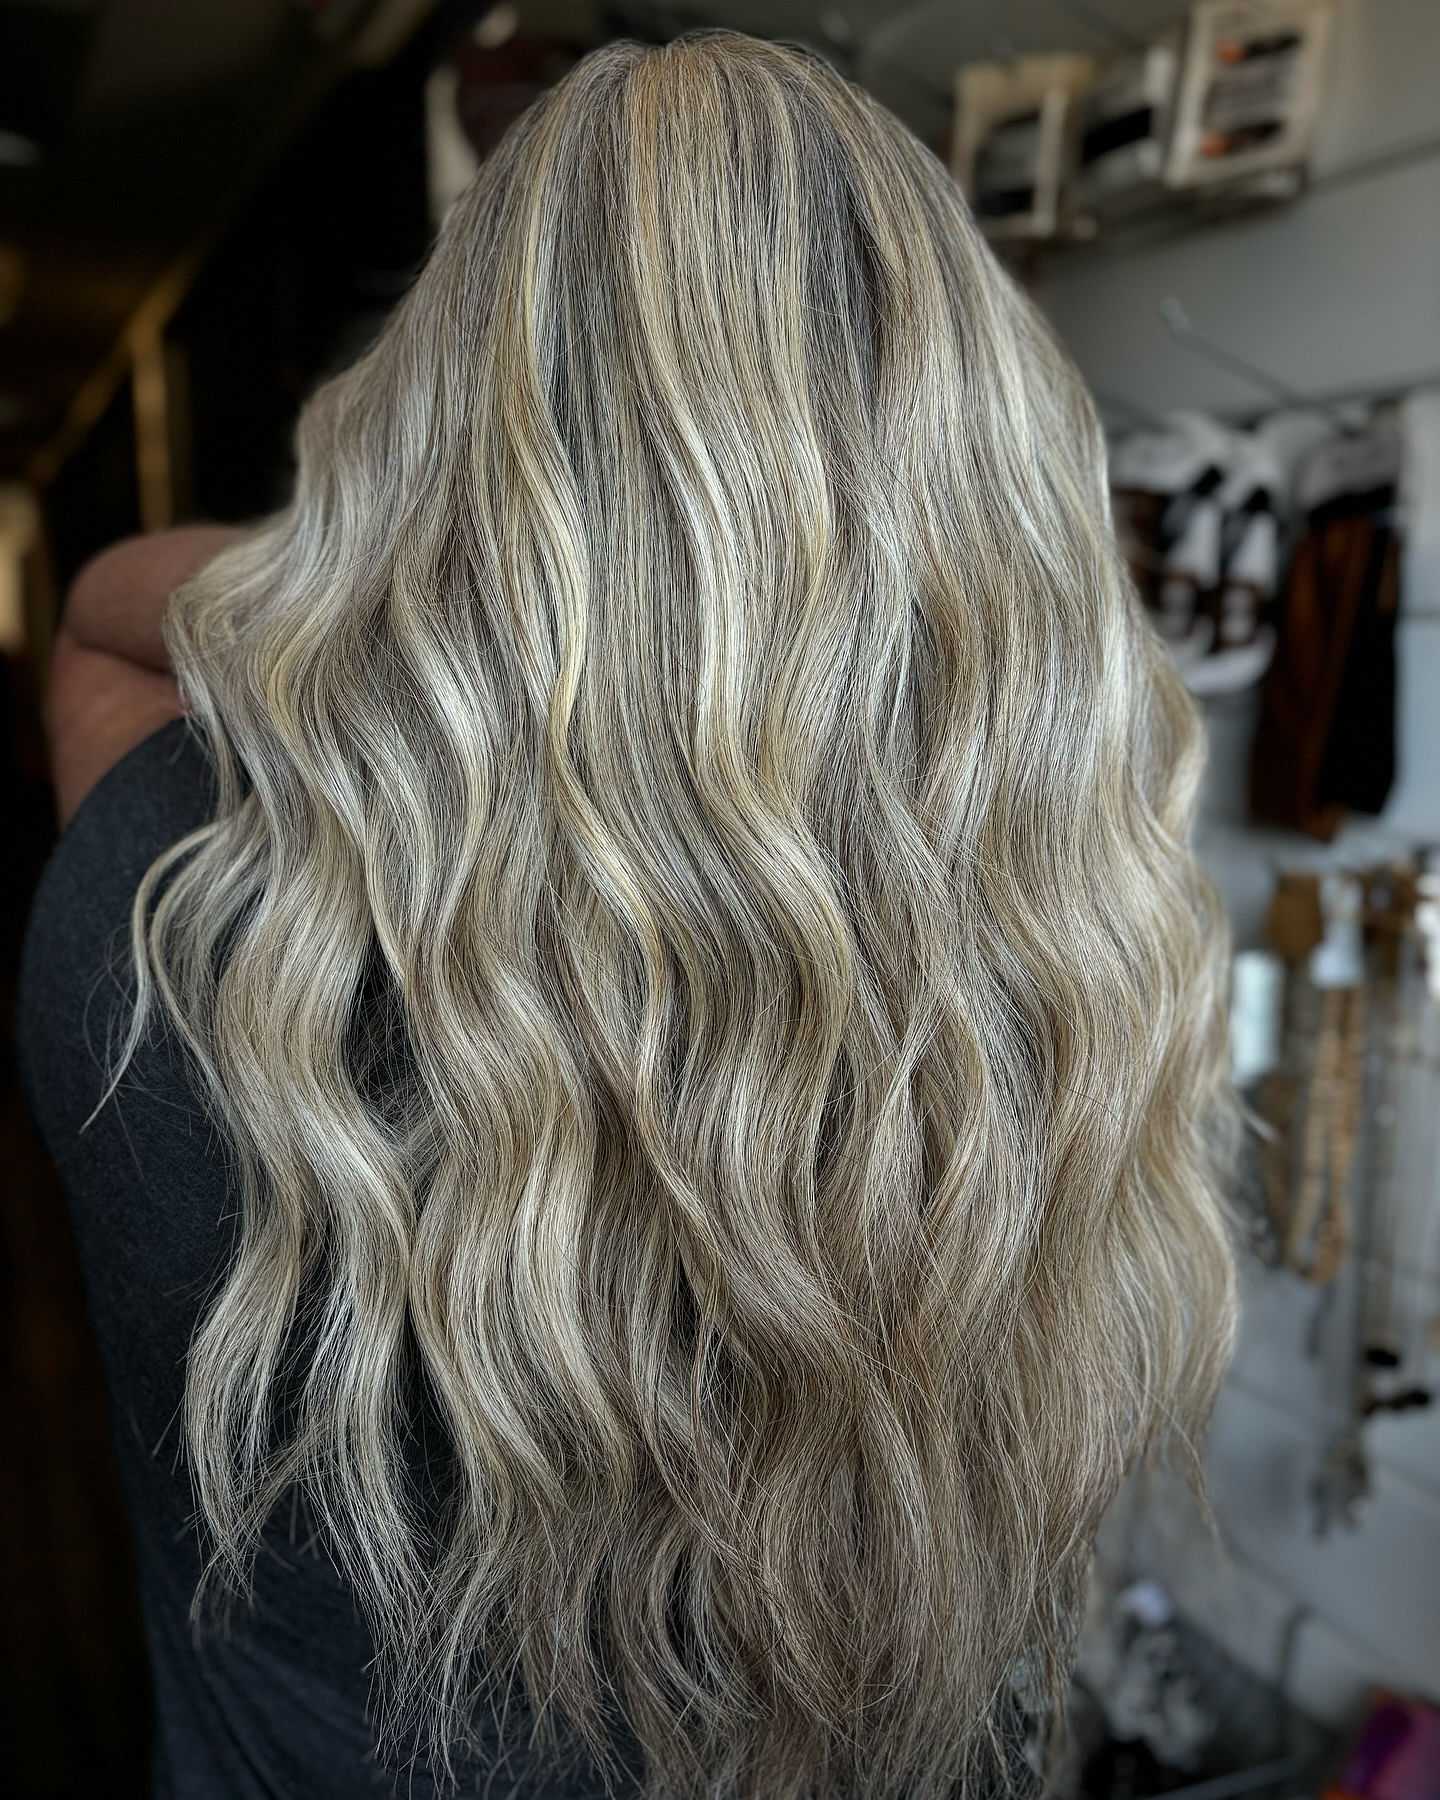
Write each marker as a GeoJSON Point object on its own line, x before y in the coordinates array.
{"type": "Point", "coordinates": [1325, 745]}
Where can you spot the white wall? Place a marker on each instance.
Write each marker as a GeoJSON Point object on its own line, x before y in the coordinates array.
{"type": "Point", "coordinates": [1338, 291]}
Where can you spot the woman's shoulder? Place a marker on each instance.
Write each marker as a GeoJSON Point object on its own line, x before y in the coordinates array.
{"type": "Point", "coordinates": [149, 794]}
{"type": "Point", "coordinates": [149, 797]}
{"type": "Point", "coordinates": [110, 683]}
{"type": "Point", "coordinates": [98, 707]}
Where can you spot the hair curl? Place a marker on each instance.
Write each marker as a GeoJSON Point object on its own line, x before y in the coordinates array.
{"type": "Point", "coordinates": [696, 692]}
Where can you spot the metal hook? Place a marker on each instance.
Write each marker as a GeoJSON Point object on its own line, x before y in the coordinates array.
{"type": "Point", "coordinates": [1177, 322]}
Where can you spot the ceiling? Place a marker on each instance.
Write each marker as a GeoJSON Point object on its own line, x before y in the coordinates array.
{"type": "Point", "coordinates": [129, 129]}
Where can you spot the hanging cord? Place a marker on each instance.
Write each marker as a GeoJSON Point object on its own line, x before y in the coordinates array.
{"type": "Point", "coordinates": [1332, 1237]}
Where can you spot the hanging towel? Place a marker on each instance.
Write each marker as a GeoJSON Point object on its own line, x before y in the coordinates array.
{"type": "Point", "coordinates": [1325, 744]}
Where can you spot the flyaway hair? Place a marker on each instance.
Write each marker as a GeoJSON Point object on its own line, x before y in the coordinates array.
{"type": "Point", "coordinates": [698, 961]}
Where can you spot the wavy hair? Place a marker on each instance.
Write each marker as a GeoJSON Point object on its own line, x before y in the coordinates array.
{"type": "Point", "coordinates": [694, 713]}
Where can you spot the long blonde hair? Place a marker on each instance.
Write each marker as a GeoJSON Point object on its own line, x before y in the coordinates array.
{"type": "Point", "coordinates": [694, 692]}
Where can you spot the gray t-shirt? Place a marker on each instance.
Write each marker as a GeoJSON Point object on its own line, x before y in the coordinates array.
{"type": "Point", "coordinates": [278, 1704]}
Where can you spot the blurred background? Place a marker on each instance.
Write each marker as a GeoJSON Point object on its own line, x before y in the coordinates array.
{"type": "Point", "coordinates": [1231, 212]}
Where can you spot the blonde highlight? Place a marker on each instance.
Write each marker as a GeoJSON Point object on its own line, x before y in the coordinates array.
{"type": "Point", "coordinates": [698, 958]}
